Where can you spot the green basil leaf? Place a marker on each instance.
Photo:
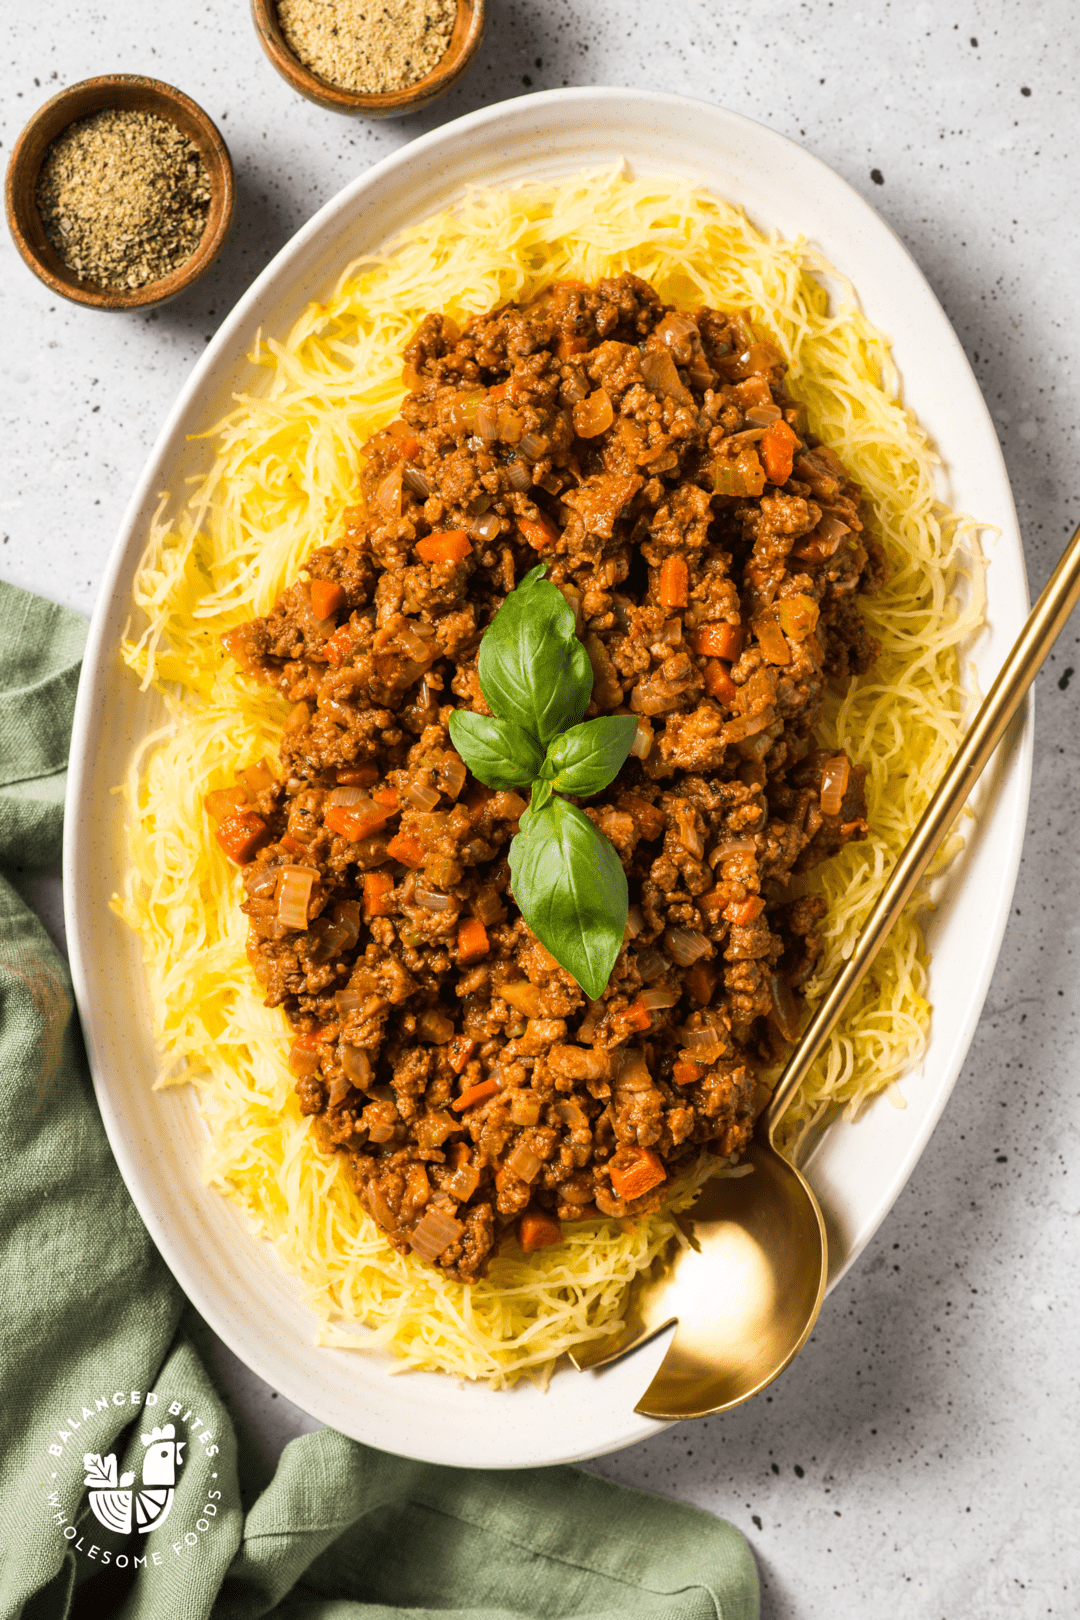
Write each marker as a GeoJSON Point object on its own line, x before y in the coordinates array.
{"type": "Point", "coordinates": [533, 669]}
{"type": "Point", "coordinates": [501, 754]}
{"type": "Point", "coordinates": [570, 887]}
{"type": "Point", "coordinates": [541, 793]}
{"type": "Point", "coordinates": [587, 757]}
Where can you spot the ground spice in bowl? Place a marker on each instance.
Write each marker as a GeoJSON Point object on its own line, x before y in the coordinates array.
{"type": "Point", "coordinates": [124, 197]}
{"type": "Point", "coordinates": [370, 47]}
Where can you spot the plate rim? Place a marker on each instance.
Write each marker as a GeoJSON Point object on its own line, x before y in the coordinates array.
{"type": "Point", "coordinates": [99, 660]}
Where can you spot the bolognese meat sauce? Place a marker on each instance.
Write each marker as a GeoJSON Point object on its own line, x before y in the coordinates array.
{"type": "Point", "coordinates": [712, 554]}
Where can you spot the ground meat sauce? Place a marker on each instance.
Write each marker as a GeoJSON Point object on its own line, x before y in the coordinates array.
{"type": "Point", "coordinates": [712, 553]}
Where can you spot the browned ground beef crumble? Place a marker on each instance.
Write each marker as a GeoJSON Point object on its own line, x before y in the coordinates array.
{"type": "Point", "coordinates": [613, 416]}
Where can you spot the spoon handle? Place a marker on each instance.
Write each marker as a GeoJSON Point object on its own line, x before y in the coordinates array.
{"type": "Point", "coordinates": [1045, 623]}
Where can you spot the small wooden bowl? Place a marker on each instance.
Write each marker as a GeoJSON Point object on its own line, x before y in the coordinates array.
{"type": "Point", "coordinates": [121, 91]}
{"type": "Point", "coordinates": [464, 44]}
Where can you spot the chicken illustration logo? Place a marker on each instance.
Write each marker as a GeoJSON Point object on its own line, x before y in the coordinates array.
{"type": "Point", "coordinates": [111, 1498]}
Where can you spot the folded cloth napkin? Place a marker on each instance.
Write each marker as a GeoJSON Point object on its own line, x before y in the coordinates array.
{"type": "Point", "coordinates": [100, 1386]}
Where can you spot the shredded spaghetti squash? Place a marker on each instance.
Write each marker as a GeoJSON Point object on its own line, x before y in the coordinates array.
{"type": "Point", "coordinates": [287, 464]}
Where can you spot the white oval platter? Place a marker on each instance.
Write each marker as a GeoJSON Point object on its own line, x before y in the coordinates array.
{"type": "Point", "coordinates": [857, 1169]}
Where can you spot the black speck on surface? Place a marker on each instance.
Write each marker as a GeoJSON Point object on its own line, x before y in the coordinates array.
{"type": "Point", "coordinates": [975, 42]}
{"type": "Point", "coordinates": [525, 79]}
{"type": "Point", "coordinates": [1024, 91]}
{"type": "Point", "coordinates": [1066, 677]}
{"type": "Point", "coordinates": [877, 177]}
{"type": "Point", "coordinates": [756, 1520]}
{"type": "Point", "coordinates": [1002, 1158]}
{"type": "Point", "coordinates": [801, 1472]}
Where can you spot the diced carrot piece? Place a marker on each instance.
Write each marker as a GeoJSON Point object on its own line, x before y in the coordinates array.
{"type": "Point", "coordinates": [499, 391]}
{"type": "Point", "coordinates": [378, 887]}
{"type": "Point", "coordinates": [475, 1094]}
{"type": "Point", "coordinates": [358, 775]}
{"type": "Point", "coordinates": [540, 533]}
{"type": "Point", "coordinates": [566, 346]}
{"type": "Point", "coordinates": [778, 448]}
{"type": "Point", "coordinates": [674, 582]}
{"type": "Point", "coordinates": [472, 941]}
{"type": "Point", "coordinates": [408, 448]}
{"type": "Point", "coordinates": [538, 1232]}
{"type": "Point", "coordinates": [356, 821]}
{"type": "Point", "coordinates": [327, 599]}
{"type": "Point", "coordinates": [643, 1173]}
{"type": "Point", "coordinates": [700, 982]}
{"type": "Point", "coordinates": [718, 683]}
{"type": "Point", "coordinates": [388, 796]}
{"type": "Point", "coordinates": [310, 1041]}
{"type": "Point", "coordinates": [452, 546]}
{"type": "Point", "coordinates": [338, 648]}
{"type": "Point", "coordinates": [406, 848]}
{"type": "Point", "coordinates": [459, 1051]}
{"type": "Point", "coordinates": [741, 912]}
{"type": "Point", "coordinates": [225, 802]}
{"type": "Point", "coordinates": [241, 835]}
{"type": "Point", "coordinates": [293, 845]}
{"type": "Point", "coordinates": [713, 903]}
{"type": "Point", "coordinates": [637, 1016]}
{"type": "Point", "coordinates": [718, 641]}
{"type": "Point", "coordinates": [685, 1071]}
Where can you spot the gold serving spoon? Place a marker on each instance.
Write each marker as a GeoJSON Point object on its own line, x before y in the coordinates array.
{"type": "Point", "coordinates": [747, 1291]}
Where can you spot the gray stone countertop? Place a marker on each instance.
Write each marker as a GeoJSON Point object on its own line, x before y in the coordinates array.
{"type": "Point", "coordinates": [917, 1461]}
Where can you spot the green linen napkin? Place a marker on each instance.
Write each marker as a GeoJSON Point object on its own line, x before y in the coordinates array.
{"type": "Point", "coordinates": [100, 1385]}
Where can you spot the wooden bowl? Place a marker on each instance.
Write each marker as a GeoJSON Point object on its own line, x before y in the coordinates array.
{"type": "Point", "coordinates": [124, 91]}
{"type": "Point", "coordinates": [464, 44]}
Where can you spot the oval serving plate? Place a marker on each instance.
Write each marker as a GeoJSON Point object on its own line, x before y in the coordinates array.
{"type": "Point", "coordinates": [857, 1169]}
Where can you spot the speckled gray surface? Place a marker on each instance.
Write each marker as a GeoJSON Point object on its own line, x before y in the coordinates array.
{"type": "Point", "coordinates": [918, 1459]}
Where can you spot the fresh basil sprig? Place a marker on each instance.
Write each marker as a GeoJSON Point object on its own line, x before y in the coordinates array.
{"type": "Point", "coordinates": [537, 680]}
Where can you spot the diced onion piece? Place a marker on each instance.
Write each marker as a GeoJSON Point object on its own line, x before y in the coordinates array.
{"type": "Point", "coordinates": [487, 905]}
{"type": "Point", "coordinates": [488, 526]}
{"type": "Point", "coordinates": [432, 900]}
{"type": "Point", "coordinates": [728, 847]}
{"type": "Point", "coordinates": [661, 995]}
{"type": "Point", "coordinates": [262, 883]}
{"type": "Point", "coordinates": [688, 834]}
{"type": "Point", "coordinates": [634, 1071]}
{"type": "Point", "coordinates": [452, 774]}
{"type": "Point", "coordinates": [464, 1182]}
{"type": "Point", "coordinates": [763, 415]}
{"type": "Point", "coordinates": [772, 641]}
{"type": "Point", "coordinates": [381, 1210]}
{"type": "Point", "coordinates": [388, 494]}
{"type": "Point", "coordinates": [349, 1001]}
{"type": "Point", "coordinates": [785, 1006]}
{"type": "Point", "coordinates": [834, 784]}
{"type": "Point", "coordinates": [641, 747]}
{"type": "Point", "coordinates": [347, 796]}
{"type": "Point", "coordinates": [414, 478]}
{"type": "Point", "coordinates": [294, 894]}
{"type": "Point", "coordinates": [572, 1114]}
{"type": "Point", "coordinates": [302, 1060]}
{"type": "Point", "coordinates": [523, 1163]}
{"type": "Point", "coordinates": [533, 446]}
{"type": "Point", "coordinates": [651, 963]}
{"type": "Point", "coordinates": [635, 921]}
{"type": "Point", "coordinates": [684, 946]}
{"type": "Point", "coordinates": [487, 419]}
{"type": "Point", "coordinates": [356, 1064]}
{"type": "Point", "coordinates": [659, 373]}
{"type": "Point", "coordinates": [435, 1233]}
{"type": "Point", "coordinates": [524, 996]}
{"type": "Point", "coordinates": [831, 529]}
{"type": "Point", "coordinates": [382, 1131]}
{"type": "Point", "coordinates": [524, 1107]}
{"type": "Point", "coordinates": [436, 1026]}
{"type": "Point", "coordinates": [347, 919]}
{"type": "Point", "coordinates": [519, 474]}
{"type": "Point", "coordinates": [509, 423]}
{"type": "Point", "coordinates": [422, 795]}
{"type": "Point", "coordinates": [414, 643]}
{"type": "Point", "coordinates": [700, 1040]}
